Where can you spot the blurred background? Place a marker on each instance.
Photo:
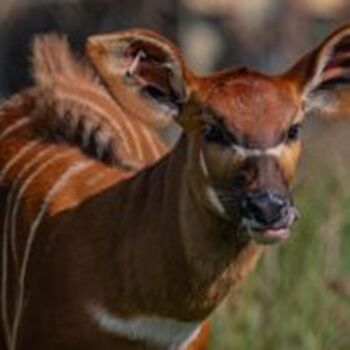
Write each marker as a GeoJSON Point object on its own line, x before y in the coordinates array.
{"type": "Point", "coordinates": [299, 296]}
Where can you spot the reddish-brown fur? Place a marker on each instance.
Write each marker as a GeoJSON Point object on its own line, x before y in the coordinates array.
{"type": "Point", "coordinates": [153, 242]}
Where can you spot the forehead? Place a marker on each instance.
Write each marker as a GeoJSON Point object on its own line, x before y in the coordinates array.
{"type": "Point", "coordinates": [256, 108]}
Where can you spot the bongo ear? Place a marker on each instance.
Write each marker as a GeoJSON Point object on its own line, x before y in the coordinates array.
{"type": "Point", "coordinates": [144, 72]}
{"type": "Point", "coordinates": [322, 77]}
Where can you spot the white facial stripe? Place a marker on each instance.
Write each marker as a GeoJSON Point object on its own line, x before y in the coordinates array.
{"type": "Point", "coordinates": [163, 332]}
{"type": "Point", "coordinates": [256, 152]}
{"type": "Point", "coordinates": [214, 200]}
{"type": "Point", "coordinates": [210, 193]}
{"type": "Point", "coordinates": [203, 164]}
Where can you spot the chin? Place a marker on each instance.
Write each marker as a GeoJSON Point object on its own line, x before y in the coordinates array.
{"type": "Point", "coordinates": [269, 236]}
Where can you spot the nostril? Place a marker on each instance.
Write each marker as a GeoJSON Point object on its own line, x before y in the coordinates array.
{"type": "Point", "coordinates": [284, 209]}
{"type": "Point", "coordinates": [265, 207]}
{"type": "Point", "coordinates": [252, 208]}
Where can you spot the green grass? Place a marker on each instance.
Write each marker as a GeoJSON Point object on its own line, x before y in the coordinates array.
{"type": "Point", "coordinates": [298, 297]}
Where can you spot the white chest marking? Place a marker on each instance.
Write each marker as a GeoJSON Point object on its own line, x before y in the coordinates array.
{"type": "Point", "coordinates": [163, 332]}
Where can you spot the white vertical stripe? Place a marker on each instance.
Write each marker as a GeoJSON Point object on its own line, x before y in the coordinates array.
{"type": "Point", "coordinates": [120, 113]}
{"type": "Point", "coordinates": [12, 102]}
{"type": "Point", "coordinates": [15, 203]}
{"type": "Point", "coordinates": [23, 188]}
{"type": "Point", "coordinates": [28, 147]}
{"type": "Point", "coordinates": [102, 113]}
{"type": "Point", "coordinates": [26, 184]}
{"type": "Point", "coordinates": [122, 117]}
{"type": "Point", "coordinates": [60, 183]}
{"type": "Point", "coordinates": [4, 290]}
{"type": "Point", "coordinates": [135, 138]}
{"type": "Point", "coordinates": [151, 143]}
{"type": "Point", "coordinates": [19, 123]}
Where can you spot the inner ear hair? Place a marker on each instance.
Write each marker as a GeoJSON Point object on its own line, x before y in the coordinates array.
{"type": "Point", "coordinates": [134, 64]}
{"type": "Point", "coordinates": [322, 77]}
{"type": "Point", "coordinates": [325, 67]}
{"type": "Point", "coordinates": [144, 71]}
{"type": "Point", "coordinates": [156, 80]}
{"type": "Point", "coordinates": [332, 61]}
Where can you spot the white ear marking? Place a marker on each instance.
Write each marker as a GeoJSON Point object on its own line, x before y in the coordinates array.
{"type": "Point", "coordinates": [134, 64]}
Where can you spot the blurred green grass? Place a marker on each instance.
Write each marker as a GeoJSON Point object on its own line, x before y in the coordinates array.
{"type": "Point", "coordinates": [298, 298]}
